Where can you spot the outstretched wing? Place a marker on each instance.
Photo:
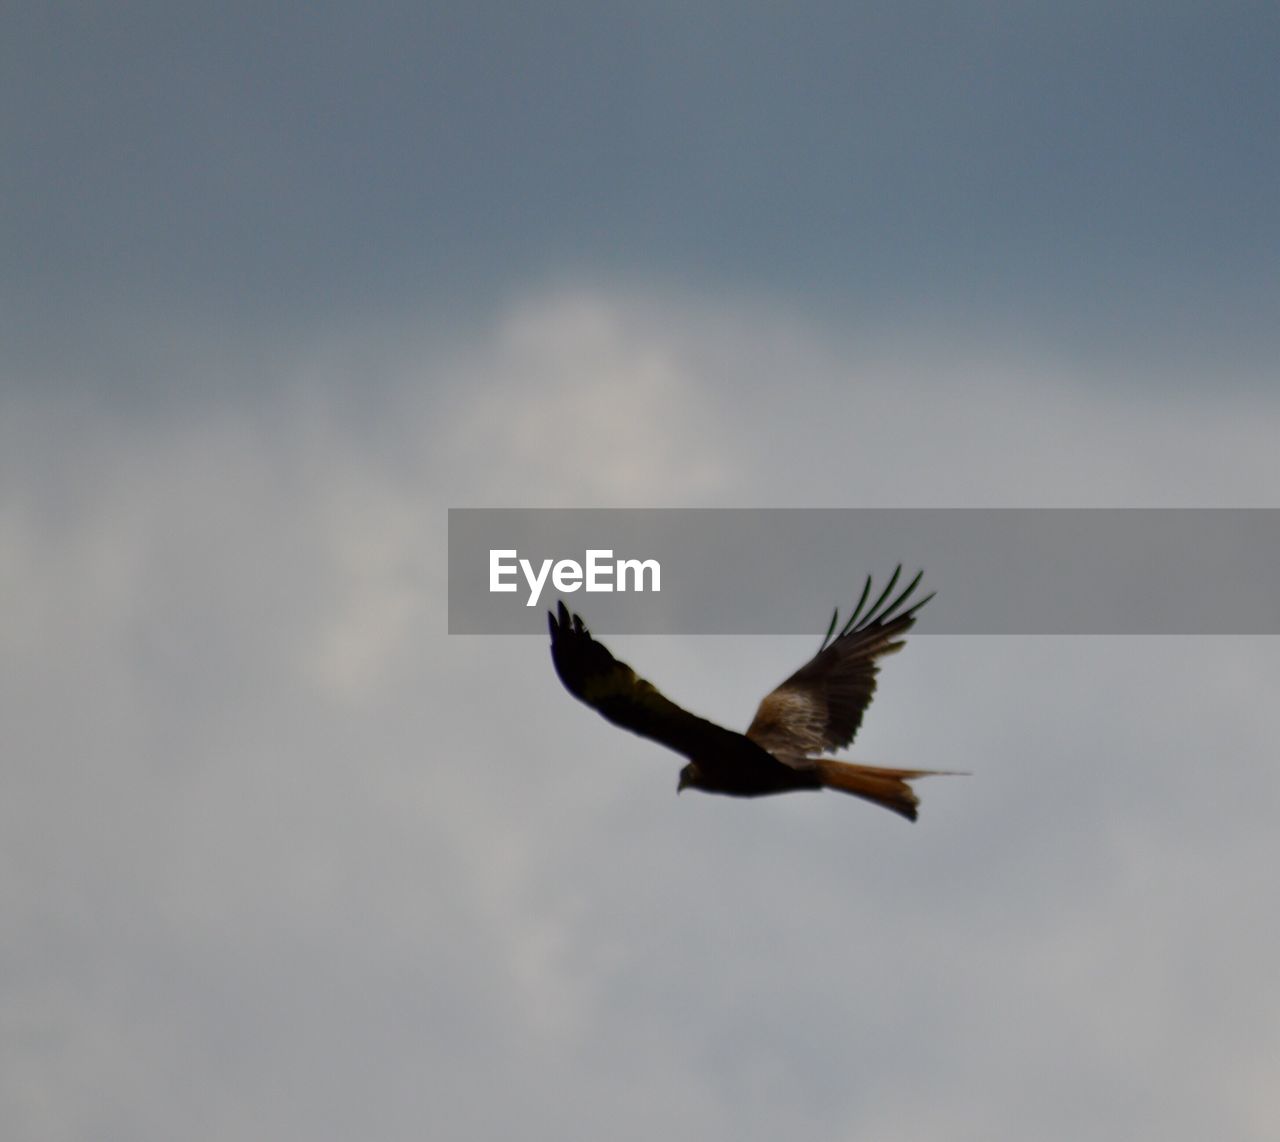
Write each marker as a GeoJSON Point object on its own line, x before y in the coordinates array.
{"type": "Point", "coordinates": [590, 673]}
{"type": "Point", "coordinates": [820, 707]}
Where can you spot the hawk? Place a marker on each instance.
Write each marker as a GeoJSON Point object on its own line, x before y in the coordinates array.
{"type": "Point", "coordinates": [817, 710]}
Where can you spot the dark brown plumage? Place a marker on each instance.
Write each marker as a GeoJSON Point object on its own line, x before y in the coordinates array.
{"type": "Point", "coordinates": [819, 708]}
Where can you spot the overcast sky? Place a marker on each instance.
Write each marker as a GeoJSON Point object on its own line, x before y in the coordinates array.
{"type": "Point", "coordinates": [282, 283]}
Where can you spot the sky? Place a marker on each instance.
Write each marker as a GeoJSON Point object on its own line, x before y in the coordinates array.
{"type": "Point", "coordinates": [282, 859]}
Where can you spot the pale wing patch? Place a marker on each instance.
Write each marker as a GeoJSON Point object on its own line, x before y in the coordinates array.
{"type": "Point", "coordinates": [790, 724]}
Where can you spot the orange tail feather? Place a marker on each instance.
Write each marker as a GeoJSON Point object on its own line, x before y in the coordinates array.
{"type": "Point", "coordinates": [886, 787]}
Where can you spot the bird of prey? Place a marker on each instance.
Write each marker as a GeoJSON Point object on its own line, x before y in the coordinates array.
{"type": "Point", "coordinates": [818, 709]}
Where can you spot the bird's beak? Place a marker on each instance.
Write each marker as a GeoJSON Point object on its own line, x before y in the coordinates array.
{"type": "Point", "coordinates": [680, 784]}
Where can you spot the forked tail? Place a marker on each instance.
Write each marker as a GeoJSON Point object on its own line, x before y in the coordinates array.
{"type": "Point", "coordinates": [887, 787]}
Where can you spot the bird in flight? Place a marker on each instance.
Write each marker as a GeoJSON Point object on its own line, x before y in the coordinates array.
{"type": "Point", "coordinates": [817, 710]}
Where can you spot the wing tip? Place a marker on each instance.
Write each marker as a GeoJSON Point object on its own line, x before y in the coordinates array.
{"type": "Point", "coordinates": [559, 620]}
{"type": "Point", "coordinates": [882, 611]}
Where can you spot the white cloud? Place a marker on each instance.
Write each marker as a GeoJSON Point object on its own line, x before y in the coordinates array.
{"type": "Point", "coordinates": [623, 398]}
{"type": "Point", "coordinates": [581, 391]}
{"type": "Point", "coordinates": [302, 865]}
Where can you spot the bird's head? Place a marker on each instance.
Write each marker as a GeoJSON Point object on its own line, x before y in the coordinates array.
{"type": "Point", "coordinates": [690, 775]}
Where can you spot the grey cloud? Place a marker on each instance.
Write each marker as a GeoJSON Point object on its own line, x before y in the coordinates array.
{"type": "Point", "coordinates": [1099, 180]}
{"type": "Point", "coordinates": [281, 285]}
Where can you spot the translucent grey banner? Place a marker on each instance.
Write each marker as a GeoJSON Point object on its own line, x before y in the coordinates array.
{"type": "Point", "coordinates": [782, 571]}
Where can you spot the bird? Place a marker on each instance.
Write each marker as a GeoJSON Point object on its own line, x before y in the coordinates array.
{"type": "Point", "coordinates": [817, 709]}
